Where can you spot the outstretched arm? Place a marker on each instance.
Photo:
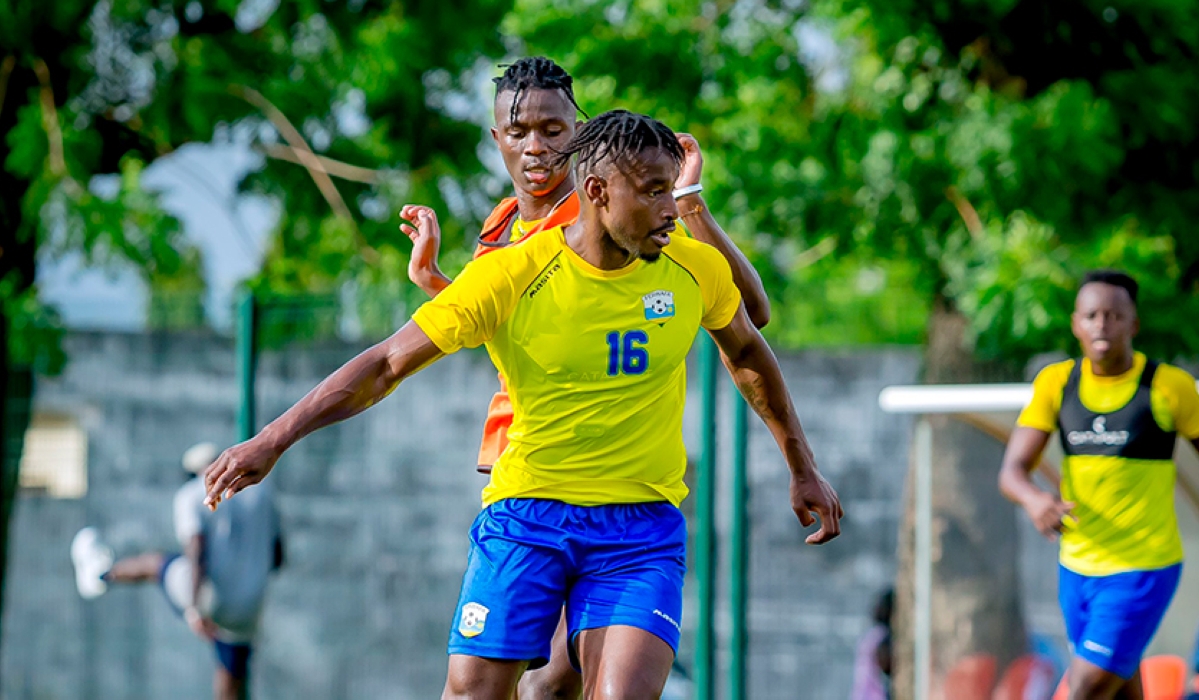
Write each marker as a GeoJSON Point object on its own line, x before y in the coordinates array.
{"type": "Point", "coordinates": [756, 372]}
{"type": "Point", "coordinates": [694, 212]}
{"type": "Point", "coordinates": [1023, 452]}
{"type": "Point", "coordinates": [424, 231]}
{"type": "Point", "coordinates": [356, 386]}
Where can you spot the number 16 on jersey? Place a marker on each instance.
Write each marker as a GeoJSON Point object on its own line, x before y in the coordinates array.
{"type": "Point", "coordinates": [627, 353]}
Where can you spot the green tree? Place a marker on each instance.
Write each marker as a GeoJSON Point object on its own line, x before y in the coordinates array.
{"type": "Point", "coordinates": [97, 88]}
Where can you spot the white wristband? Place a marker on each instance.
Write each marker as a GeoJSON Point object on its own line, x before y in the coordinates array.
{"type": "Point", "coordinates": [689, 189]}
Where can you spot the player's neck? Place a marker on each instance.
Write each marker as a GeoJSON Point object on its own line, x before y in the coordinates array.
{"type": "Point", "coordinates": [591, 243]}
{"type": "Point", "coordinates": [1112, 366]}
{"type": "Point", "coordinates": [534, 207]}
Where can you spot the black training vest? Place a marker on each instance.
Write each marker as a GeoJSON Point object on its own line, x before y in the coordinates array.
{"type": "Point", "coordinates": [1129, 432]}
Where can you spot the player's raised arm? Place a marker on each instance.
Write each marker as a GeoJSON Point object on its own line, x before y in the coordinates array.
{"type": "Point", "coordinates": [756, 372]}
{"type": "Point", "coordinates": [694, 213]}
{"type": "Point", "coordinates": [356, 386]}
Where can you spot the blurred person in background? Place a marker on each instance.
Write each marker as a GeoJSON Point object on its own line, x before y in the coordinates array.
{"type": "Point", "coordinates": [591, 324]}
{"type": "Point", "coordinates": [217, 584]}
{"type": "Point", "coordinates": [535, 116]}
{"type": "Point", "coordinates": [1118, 415]}
{"type": "Point", "coordinates": [872, 661]}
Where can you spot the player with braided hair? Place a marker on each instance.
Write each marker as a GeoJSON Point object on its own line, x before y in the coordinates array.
{"type": "Point", "coordinates": [535, 116]}
{"type": "Point", "coordinates": [591, 323]}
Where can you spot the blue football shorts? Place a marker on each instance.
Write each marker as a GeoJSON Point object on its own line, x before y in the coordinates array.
{"type": "Point", "coordinates": [1110, 620]}
{"type": "Point", "coordinates": [609, 565]}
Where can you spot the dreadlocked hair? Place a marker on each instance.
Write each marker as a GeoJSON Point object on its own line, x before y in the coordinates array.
{"type": "Point", "coordinates": [538, 73]}
{"type": "Point", "coordinates": [617, 135]}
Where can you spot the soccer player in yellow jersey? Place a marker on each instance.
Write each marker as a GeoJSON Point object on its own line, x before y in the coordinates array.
{"type": "Point", "coordinates": [1118, 415]}
{"type": "Point", "coordinates": [591, 324]}
{"type": "Point", "coordinates": [535, 116]}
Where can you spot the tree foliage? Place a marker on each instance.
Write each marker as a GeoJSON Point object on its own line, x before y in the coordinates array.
{"type": "Point", "coordinates": [982, 152]}
{"type": "Point", "coordinates": [106, 87]}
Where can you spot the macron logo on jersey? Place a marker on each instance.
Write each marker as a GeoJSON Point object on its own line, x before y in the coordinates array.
{"type": "Point", "coordinates": [659, 305]}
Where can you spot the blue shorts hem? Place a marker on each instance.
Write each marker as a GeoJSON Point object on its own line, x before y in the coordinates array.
{"type": "Point", "coordinates": [234, 658]}
{"type": "Point", "coordinates": [666, 632]}
{"type": "Point", "coordinates": [536, 659]}
{"type": "Point", "coordinates": [1119, 667]}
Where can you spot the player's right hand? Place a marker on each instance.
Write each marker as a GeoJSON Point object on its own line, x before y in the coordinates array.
{"type": "Point", "coordinates": [811, 493]}
{"type": "Point", "coordinates": [693, 161]}
{"type": "Point", "coordinates": [242, 465]}
{"type": "Point", "coordinates": [425, 234]}
{"type": "Point", "coordinates": [1048, 513]}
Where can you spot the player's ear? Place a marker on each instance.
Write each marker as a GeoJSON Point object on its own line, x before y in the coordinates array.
{"type": "Point", "coordinates": [596, 189]}
{"type": "Point", "coordinates": [495, 135]}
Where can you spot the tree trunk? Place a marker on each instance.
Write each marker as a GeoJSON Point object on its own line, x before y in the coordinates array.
{"type": "Point", "coordinates": [975, 585]}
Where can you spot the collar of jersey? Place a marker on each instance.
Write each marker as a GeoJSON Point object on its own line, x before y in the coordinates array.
{"type": "Point", "coordinates": [1138, 365]}
{"type": "Point", "coordinates": [590, 269]}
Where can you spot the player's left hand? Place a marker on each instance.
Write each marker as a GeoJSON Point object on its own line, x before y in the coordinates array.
{"type": "Point", "coordinates": [811, 493]}
{"type": "Point", "coordinates": [693, 161]}
{"type": "Point", "coordinates": [242, 465]}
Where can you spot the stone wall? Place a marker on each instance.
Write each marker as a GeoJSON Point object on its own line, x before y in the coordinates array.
{"type": "Point", "coordinates": [376, 512]}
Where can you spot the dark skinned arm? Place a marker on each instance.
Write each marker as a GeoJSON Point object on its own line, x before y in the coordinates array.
{"type": "Point", "coordinates": [756, 372]}
{"type": "Point", "coordinates": [1046, 510]}
{"type": "Point", "coordinates": [694, 213]}
{"type": "Point", "coordinates": [359, 384]}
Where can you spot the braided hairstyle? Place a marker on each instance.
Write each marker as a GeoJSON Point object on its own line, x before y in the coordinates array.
{"type": "Point", "coordinates": [539, 73]}
{"type": "Point", "coordinates": [617, 136]}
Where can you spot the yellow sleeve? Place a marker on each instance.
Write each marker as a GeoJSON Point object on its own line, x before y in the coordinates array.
{"type": "Point", "coordinates": [1041, 412]}
{"type": "Point", "coordinates": [1179, 387]}
{"type": "Point", "coordinates": [720, 294]}
{"type": "Point", "coordinates": [467, 313]}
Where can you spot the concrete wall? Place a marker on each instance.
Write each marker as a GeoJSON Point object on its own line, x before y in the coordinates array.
{"type": "Point", "coordinates": [376, 512]}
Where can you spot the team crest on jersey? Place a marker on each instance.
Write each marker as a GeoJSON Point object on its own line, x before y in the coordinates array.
{"type": "Point", "coordinates": [474, 618]}
{"type": "Point", "coordinates": [659, 305]}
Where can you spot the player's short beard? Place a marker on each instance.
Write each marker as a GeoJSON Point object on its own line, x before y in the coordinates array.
{"type": "Point", "coordinates": [634, 250]}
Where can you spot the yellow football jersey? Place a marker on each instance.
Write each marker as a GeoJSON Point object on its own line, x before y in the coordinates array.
{"type": "Point", "coordinates": [1124, 507]}
{"type": "Point", "coordinates": [595, 363]}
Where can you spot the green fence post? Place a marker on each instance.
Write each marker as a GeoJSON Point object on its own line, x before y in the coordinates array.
{"type": "Point", "coordinates": [739, 549]}
{"type": "Point", "coordinates": [705, 525]}
{"type": "Point", "coordinates": [247, 363]}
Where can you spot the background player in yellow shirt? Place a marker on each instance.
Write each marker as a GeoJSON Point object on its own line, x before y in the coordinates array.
{"type": "Point", "coordinates": [591, 325]}
{"type": "Point", "coordinates": [1118, 416]}
{"type": "Point", "coordinates": [535, 116]}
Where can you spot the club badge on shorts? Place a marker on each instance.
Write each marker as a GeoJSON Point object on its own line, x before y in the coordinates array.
{"type": "Point", "coordinates": [659, 305]}
{"type": "Point", "coordinates": [474, 617]}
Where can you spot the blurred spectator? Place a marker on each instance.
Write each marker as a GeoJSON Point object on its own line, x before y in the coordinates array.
{"type": "Point", "coordinates": [872, 662]}
{"type": "Point", "coordinates": [218, 583]}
